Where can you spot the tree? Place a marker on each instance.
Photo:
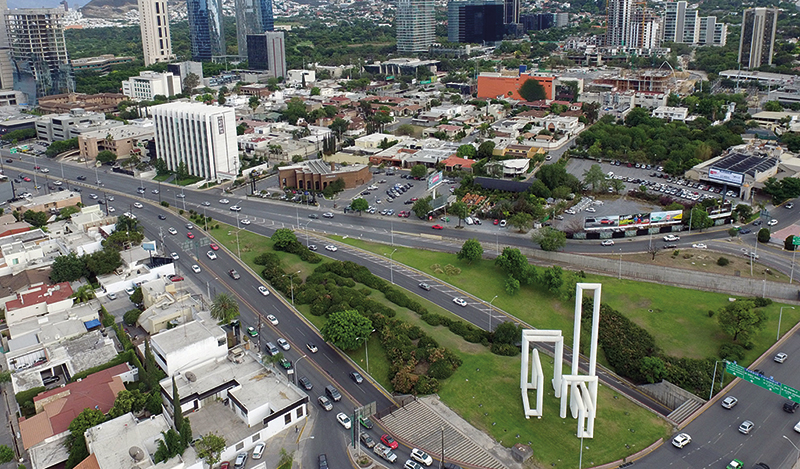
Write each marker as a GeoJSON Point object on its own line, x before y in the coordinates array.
{"type": "Point", "coordinates": [486, 149]}
{"type": "Point", "coordinates": [549, 238]}
{"type": "Point", "coordinates": [282, 238]}
{"type": "Point", "coordinates": [419, 171]}
{"type": "Point", "coordinates": [466, 151]}
{"type": "Point", "coordinates": [254, 102]}
{"type": "Point", "coordinates": [128, 401]}
{"type": "Point", "coordinates": [422, 207]}
{"type": "Point", "coordinates": [221, 98]}
{"type": "Point", "coordinates": [182, 172]}
{"type": "Point", "coordinates": [532, 90]}
{"type": "Point", "coordinates": [103, 262]}
{"type": "Point", "coordinates": [512, 261]}
{"type": "Point", "coordinates": [106, 156]}
{"type": "Point", "coordinates": [788, 243]}
{"type": "Point", "coordinates": [190, 83]}
{"type": "Point", "coordinates": [339, 126]}
{"type": "Point", "coordinates": [161, 166]}
{"type": "Point", "coordinates": [76, 443]}
{"type": "Point", "coordinates": [521, 221]}
{"type": "Point", "coordinates": [405, 129]}
{"type": "Point", "coordinates": [121, 240]}
{"type": "Point", "coordinates": [764, 235]}
{"type": "Point", "coordinates": [67, 268]}
{"type": "Point", "coordinates": [6, 454]}
{"type": "Point", "coordinates": [471, 250]}
{"type": "Point", "coordinates": [743, 212]}
{"type": "Point", "coordinates": [700, 218]}
{"type": "Point", "coordinates": [83, 294]}
{"type": "Point", "coordinates": [360, 204]}
{"type": "Point", "coordinates": [295, 109]}
{"type": "Point", "coordinates": [346, 329]}
{"type": "Point", "coordinates": [131, 316]}
{"type": "Point", "coordinates": [5, 376]}
{"type": "Point", "coordinates": [37, 219]}
{"type": "Point", "coordinates": [225, 308]}
{"type": "Point", "coordinates": [177, 411]}
{"type": "Point", "coordinates": [137, 298]}
{"type": "Point", "coordinates": [512, 285]}
{"type": "Point", "coordinates": [315, 91]}
{"type": "Point", "coordinates": [209, 448]}
{"type": "Point", "coordinates": [459, 209]}
{"type": "Point", "coordinates": [741, 318]}
{"type": "Point", "coordinates": [773, 106]}
{"type": "Point", "coordinates": [596, 178]}
{"type": "Point", "coordinates": [506, 332]}
{"type": "Point", "coordinates": [653, 369]}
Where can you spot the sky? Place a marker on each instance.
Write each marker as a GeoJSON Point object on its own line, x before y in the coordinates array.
{"type": "Point", "coordinates": [38, 3]}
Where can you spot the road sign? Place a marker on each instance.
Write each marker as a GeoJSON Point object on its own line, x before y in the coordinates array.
{"type": "Point", "coordinates": [796, 240]}
{"type": "Point", "coordinates": [13, 150]}
{"type": "Point", "coordinates": [763, 381]}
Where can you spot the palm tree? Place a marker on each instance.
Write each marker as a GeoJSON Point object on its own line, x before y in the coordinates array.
{"type": "Point", "coordinates": [225, 308]}
{"type": "Point", "coordinates": [83, 294]}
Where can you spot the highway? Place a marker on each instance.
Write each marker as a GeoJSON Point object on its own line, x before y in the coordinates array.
{"type": "Point", "coordinates": [712, 434]}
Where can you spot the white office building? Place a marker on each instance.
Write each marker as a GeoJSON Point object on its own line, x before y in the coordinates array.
{"type": "Point", "coordinates": [154, 26]}
{"type": "Point", "coordinates": [203, 137]}
{"type": "Point", "coordinates": [148, 85]}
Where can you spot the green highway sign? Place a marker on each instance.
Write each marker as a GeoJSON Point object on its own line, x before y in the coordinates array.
{"type": "Point", "coordinates": [796, 240]}
{"type": "Point", "coordinates": [763, 381]}
{"type": "Point", "coordinates": [12, 151]}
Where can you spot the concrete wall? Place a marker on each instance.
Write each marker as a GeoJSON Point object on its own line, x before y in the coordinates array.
{"type": "Point", "coordinates": [668, 394]}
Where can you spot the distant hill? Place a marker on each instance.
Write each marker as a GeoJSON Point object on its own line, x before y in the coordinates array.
{"type": "Point", "coordinates": [108, 8]}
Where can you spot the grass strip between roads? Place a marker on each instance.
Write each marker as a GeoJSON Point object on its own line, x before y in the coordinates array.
{"type": "Point", "coordinates": [485, 389]}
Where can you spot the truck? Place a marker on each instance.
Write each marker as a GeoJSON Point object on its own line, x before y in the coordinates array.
{"type": "Point", "coordinates": [384, 452]}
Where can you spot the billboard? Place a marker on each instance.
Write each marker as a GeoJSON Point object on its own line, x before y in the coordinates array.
{"type": "Point", "coordinates": [601, 222]}
{"type": "Point", "coordinates": [725, 176]}
{"type": "Point", "coordinates": [149, 245]}
{"type": "Point", "coordinates": [633, 220]}
{"type": "Point", "coordinates": [666, 217]}
{"type": "Point", "coordinates": [434, 179]}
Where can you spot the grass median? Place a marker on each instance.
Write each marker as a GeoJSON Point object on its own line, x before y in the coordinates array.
{"type": "Point", "coordinates": [485, 389]}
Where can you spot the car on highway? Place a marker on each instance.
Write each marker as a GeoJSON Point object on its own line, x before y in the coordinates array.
{"type": "Point", "coordinates": [437, 227]}
{"type": "Point", "coordinates": [258, 451]}
{"type": "Point", "coordinates": [272, 319]}
{"type": "Point", "coordinates": [189, 226]}
{"type": "Point", "coordinates": [190, 235]}
{"type": "Point", "coordinates": [195, 268]}
{"type": "Point", "coordinates": [797, 427]}
{"type": "Point", "coordinates": [729, 402]}
{"type": "Point", "coordinates": [387, 440]}
{"type": "Point", "coordinates": [367, 440]}
{"type": "Point", "coordinates": [323, 461]}
{"type": "Point", "coordinates": [282, 343]}
{"type": "Point", "coordinates": [460, 301]}
{"type": "Point", "coordinates": [746, 427]}
{"type": "Point", "coordinates": [235, 208]}
{"type": "Point", "coordinates": [285, 364]}
{"type": "Point", "coordinates": [325, 403]}
{"type": "Point", "coordinates": [81, 178]}
{"type": "Point", "coordinates": [211, 255]}
{"type": "Point", "coordinates": [94, 197]}
{"type": "Point", "coordinates": [181, 195]}
{"type": "Point", "coordinates": [681, 440]}
{"type": "Point", "coordinates": [780, 357]}
{"type": "Point", "coordinates": [356, 377]}
{"type": "Point", "coordinates": [172, 231]}
{"type": "Point", "coordinates": [263, 290]}
{"type": "Point", "coordinates": [699, 246]}
{"type": "Point", "coordinates": [331, 248]}
{"type": "Point", "coordinates": [160, 216]}
{"type": "Point", "coordinates": [745, 231]}
{"type": "Point", "coordinates": [111, 209]}
{"type": "Point", "coordinates": [271, 349]}
{"type": "Point", "coordinates": [790, 406]}
{"type": "Point", "coordinates": [312, 247]}
{"type": "Point", "coordinates": [305, 383]}
{"type": "Point", "coordinates": [252, 332]}
{"type": "Point", "coordinates": [735, 464]}
{"type": "Point", "coordinates": [174, 256]}
{"type": "Point", "coordinates": [344, 420]}
{"type": "Point", "coordinates": [224, 201]}
{"type": "Point", "coordinates": [327, 215]}
{"type": "Point", "coordinates": [607, 242]}
{"type": "Point", "coordinates": [421, 457]}
{"type": "Point", "coordinates": [411, 465]}
{"type": "Point", "coordinates": [425, 286]}
{"type": "Point", "coordinates": [206, 204]}
{"type": "Point", "coordinates": [366, 422]}
{"type": "Point", "coordinates": [234, 274]}
{"type": "Point", "coordinates": [245, 221]}
{"type": "Point", "coordinates": [154, 191]}
{"type": "Point", "coordinates": [312, 348]}
{"type": "Point", "coordinates": [58, 183]}
{"type": "Point", "coordinates": [757, 223]}
{"type": "Point", "coordinates": [671, 238]}
{"type": "Point", "coordinates": [213, 247]}
{"type": "Point", "coordinates": [138, 205]}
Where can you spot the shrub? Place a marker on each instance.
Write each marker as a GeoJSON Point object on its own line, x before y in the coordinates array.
{"type": "Point", "coordinates": [426, 385]}
{"type": "Point", "coordinates": [711, 313]}
{"type": "Point", "coordinates": [761, 302]}
{"type": "Point", "coordinates": [723, 261]}
{"type": "Point", "coordinates": [507, 350]}
{"type": "Point", "coordinates": [180, 212]}
{"type": "Point", "coordinates": [164, 203]}
{"type": "Point", "coordinates": [432, 318]}
{"type": "Point", "coordinates": [441, 369]}
{"type": "Point", "coordinates": [131, 316]}
{"type": "Point", "coordinates": [732, 352]}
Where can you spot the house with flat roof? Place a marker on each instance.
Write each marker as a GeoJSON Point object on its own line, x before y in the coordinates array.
{"type": "Point", "coordinates": [47, 202]}
{"type": "Point", "coordinates": [39, 301]}
{"type": "Point", "coordinates": [188, 345]}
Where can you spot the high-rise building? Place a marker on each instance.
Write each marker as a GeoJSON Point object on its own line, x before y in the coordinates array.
{"type": "Point", "coordinates": [39, 51]}
{"type": "Point", "coordinates": [475, 21]}
{"type": "Point", "coordinates": [416, 26]}
{"type": "Point", "coordinates": [267, 51]}
{"type": "Point", "coordinates": [206, 29]}
{"type": "Point", "coordinates": [149, 84]}
{"type": "Point", "coordinates": [154, 25]}
{"type": "Point", "coordinates": [511, 11]}
{"type": "Point", "coordinates": [252, 17]}
{"type": "Point", "coordinates": [562, 19]}
{"type": "Point", "coordinates": [711, 32]}
{"type": "Point", "coordinates": [537, 21]}
{"type": "Point", "coordinates": [758, 37]}
{"type": "Point", "coordinates": [619, 22]}
{"type": "Point", "coordinates": [645, 30]}
{"type": "Point", "coordinates": [201, 137]}
{"type": "Point", "coordinates": [681, 24]}
{"type": "Point", "coordinates": [6, 74]}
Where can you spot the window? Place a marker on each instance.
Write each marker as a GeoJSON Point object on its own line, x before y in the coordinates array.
{"type": "Point", "coordinates": [299, 411]}
{"type": "Point", "coordinates": [256, 437]}
{"type": "Point", "coordinates": [287, 419]}
{"type": "Point", "coordinates": [239, 446]}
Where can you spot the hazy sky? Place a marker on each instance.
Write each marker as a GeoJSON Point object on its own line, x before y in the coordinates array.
{"type": "Point", "coordinates": [38, 3]}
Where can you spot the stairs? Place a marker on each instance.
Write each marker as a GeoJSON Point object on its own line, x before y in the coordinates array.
{"type": "Point", "coordinates": [684, 411]}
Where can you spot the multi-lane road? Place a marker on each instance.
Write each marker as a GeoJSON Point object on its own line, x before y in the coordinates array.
{"type": "Point", "coordinates": [714, 433]}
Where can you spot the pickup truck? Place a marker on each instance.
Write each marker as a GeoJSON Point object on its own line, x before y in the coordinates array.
{"type": "Point", "coordinates": [384, 452]}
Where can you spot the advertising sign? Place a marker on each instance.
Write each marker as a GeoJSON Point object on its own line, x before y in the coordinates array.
{"type": "Point", "coordinates": [149, 245]}
{"type": "Point", "coordinates": [601, 222]}
{"type": "Point", "coordinates": [434, 180]}
{"type": "Point", "coordinates": [723, 175]}
{"type": "Point", "coordinates": [666, 217]}
{"type": "Point", "coordinates": [634, 220]}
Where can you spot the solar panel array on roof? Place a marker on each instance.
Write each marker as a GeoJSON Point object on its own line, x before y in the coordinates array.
{"type": "Point", "coordinates": [748, 164]}
{"type": "Point", "coordinates": [502, 184]}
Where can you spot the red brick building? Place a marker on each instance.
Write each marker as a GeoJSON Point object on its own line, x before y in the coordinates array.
{"type": "Point", "coordinates": [316, 175]}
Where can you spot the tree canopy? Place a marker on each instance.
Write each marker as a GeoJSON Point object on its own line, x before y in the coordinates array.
{"type": "Point", "coordinates": [549, 238]}
{"type": "Point", "coordinates": [346, 329]}
{"type": "Point", "coordinates": [224, 308]}
{"type": "Point", "coordinates": [419, 171]}
{"type": "Point", "coordinates": [471, 250]}
{"type": "Point", "coordinates": [360, 204]}
{"type": "Point", "coordinates": [740, 319]}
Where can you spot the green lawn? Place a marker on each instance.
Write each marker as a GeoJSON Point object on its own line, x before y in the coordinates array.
{"type": "Point", "coordinates": [679, 321]}
{"type": "Point", "coordinates": [162, 177]}
{"type": "Point", "coordinates": [188, 181]}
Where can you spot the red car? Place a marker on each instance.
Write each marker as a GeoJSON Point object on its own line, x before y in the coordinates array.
{"type": "Point", "coordinates": [175, 278]}
{"type": "Point", "coordinates": [26, 179]}
{"type": "Point", "coordinates": [496, 221]}
{"type": "Point", "coordinates": [190, 235]}
{"type": "Point", "coordinates": [225, 465]}
{"type": "Point", "coordinates": [389, 441]}
{"type": "Point", "coordinates": [213, 247]}
{"type": "Point", "coordinates": [437, 227]}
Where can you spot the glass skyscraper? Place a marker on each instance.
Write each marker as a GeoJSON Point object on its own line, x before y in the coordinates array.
{"type": "Point", "coordinates": [252, 17]}
{"type": "Point", "coordinates": [205, 29]}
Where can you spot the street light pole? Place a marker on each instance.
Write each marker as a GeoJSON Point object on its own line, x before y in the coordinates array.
{"type": "Point", "coordinates": [620, 263]}
{"type": "Point", "coordinates": [291, 283]}
{"type": "Point", "coordinates": [295, 368]}
{"type": "Point", "coordinates": [391, 265]}
{"type": "Point", "coordinates": [778, 335]}
{"type": "Point", "coordinates": [490, 313]}
{"type": "Point", "coordinates": [795, 446]}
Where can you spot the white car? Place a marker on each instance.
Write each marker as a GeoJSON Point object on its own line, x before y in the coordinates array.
{"type": "Point", "coordinates": [569, 211]}
{"type": "Point", "coordinates": [772, 222]}
{"type": "Point", "coordinates": [331, 248]}
{"type": "Point", "coordinates": [181, 195]}
{"type": "Point", "coordinates": [172, 231]}
{"type": "Point", "coordinates": [503, 223]}
{"type": "Point", "coordinates": [195, 268]}
{"type": "Point", "coordinates": [174, 256]}
{"type": "Point", "coordinates": [245, 221]}
{"type": "Point", "coordinates": [460, 301]}
{"type": "Point", "coordinates": [211, 255]}
{"type": "Point", "coordinates": [110, 198]}
{"type": "Point", "coordinates": [780, 358]}
{"type": "Point", "coordinates": [699, 246]}
{"type": "Point", "coordinates": [681, 440]}
{"type": "Point", "coordinates": [129, 215]}
{"type": "Point", "coordinates": [263, 290]}
{"type": "Point", "coordinates": [272, 319]}
{"type": "Point", "coordinates": [224, 201]}
{"type": "Point", "coordinates": [258, 451]}
{"type": "Point", "coordinates": [58, 183]}
{"type": "Point", "coordinates": [206, 204]}
{"type": "Point", "coordinates": [282, 343]}
{"type": "Point", "coordinates": [797, 427]}
{"type": "Point", "coordinates": [129, 291]}
{"type": "Point", "coordinates": [93, 196]}
{"type": "Point", "coordinates": [138, 205]}
{"type": "Point", "coordinates": [591, 209]}
{"type": "Point", "coordinates": [236, 208]}
{"type": "Point", "coordinates": [729, 402]}
{"type": "Point", "coordinates": [669, 238]}
{"type": "Point", "coordinates": [327, 215]}
{"type": "Point", "coordinates": [313, 349]}
{"type": "Point", "coordinates": [607, 242]}
{"type": "Point", "coordinates": [111, 209]}
{"type": "Point", "coordinates": [154, 191]}
{"type": "Point", "coordinates": [421, 457]}
{"type": "Point", "coordinates": [342, 418]}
